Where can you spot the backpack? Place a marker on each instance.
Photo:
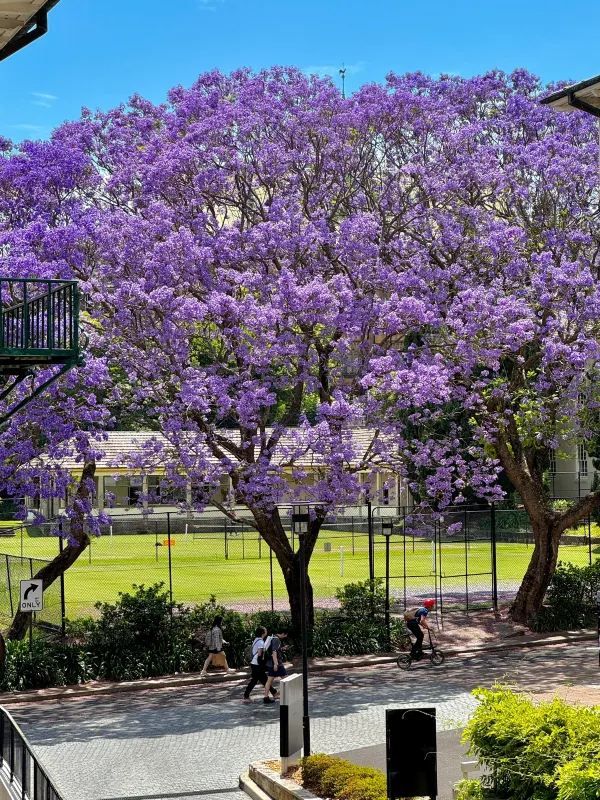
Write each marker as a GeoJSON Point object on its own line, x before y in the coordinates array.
{"type": "Point", "coordinates": [410, 613]}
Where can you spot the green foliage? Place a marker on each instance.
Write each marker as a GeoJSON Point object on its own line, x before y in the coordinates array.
{"type": "Point", "coordinates": [570, 599]}
{"type": "Point", "coordinates": [469, 789]}
{"type": "Point", "coordinates": [333, 777]}
{"type": "Point", "coordinates": [46, 663]}
{"type": "Point", "coordinates": [139, 636]}
{"type": "Point", "coordinates": [548, 751]}
{"type": "Point", "coordinates": [359, 626]}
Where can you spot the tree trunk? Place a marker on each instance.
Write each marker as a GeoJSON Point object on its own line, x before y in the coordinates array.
{"type": "Point", "coordinates": [79, 540]}
{"type": "Point", "coordinates": [271, 529]}
{"type": "Point", "coordinates": [539, 573]}
{"type": "Point", "coordinates": [293, 584]}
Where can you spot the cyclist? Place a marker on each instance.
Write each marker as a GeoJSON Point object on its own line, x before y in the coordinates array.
{"type": "Point", "coordinates": [416, 621]}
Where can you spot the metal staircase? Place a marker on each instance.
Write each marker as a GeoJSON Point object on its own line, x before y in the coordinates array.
{"type": "Point", "coordinates": [39, 328]}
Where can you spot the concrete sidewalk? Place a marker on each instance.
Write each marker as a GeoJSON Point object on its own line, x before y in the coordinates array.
{"type": "Point", "coordinates": [317, 666]}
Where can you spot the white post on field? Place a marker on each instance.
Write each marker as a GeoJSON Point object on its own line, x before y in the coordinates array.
{"type": "Point", "coordinates": [341, 561]}
{"type": "Point", "coordinates": [110, 530]}
{"type": "Point", "coordinates": [186, 529]}
{"type": "Point", "coordinates": [433, 556]}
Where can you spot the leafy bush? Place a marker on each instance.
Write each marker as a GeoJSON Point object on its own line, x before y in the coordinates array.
{"type": "Point", "coordinates": [139, 636]}
{"type": "Point", "coordinates": [469, 789]}
{"type": "Point", "coordinates": [548, 751]}
{"type": "Point", "coordinates": [359, 626]}
{"type": "Point", "coordinates": [570, 600]}
{"type": "Point", "coordinates": [334, 777]}
{"type": "Point", "coordinates": [46, 663]}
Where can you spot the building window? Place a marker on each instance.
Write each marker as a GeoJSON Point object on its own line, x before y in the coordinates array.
{"type": "Point", "coordinates": [162, 492]}
{"type": "Point", "coordinates": [582, 459]}
{"type": "Point", "coordinates": [118, 492]}
{"type": "Point", "coordinates": [552, 462]}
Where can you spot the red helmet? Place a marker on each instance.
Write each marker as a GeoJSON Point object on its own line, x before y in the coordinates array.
{"type": "Point", "coordinates": [429, 603]}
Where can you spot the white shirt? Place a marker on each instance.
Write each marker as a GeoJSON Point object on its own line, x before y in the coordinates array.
{"type": "Point", "coordinates": [257, 645]}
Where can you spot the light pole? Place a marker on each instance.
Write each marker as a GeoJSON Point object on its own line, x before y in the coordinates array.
{"type": "Point", "coordinates": [387, 529]}
{"type": "Point", "coordinates": [300, 526]}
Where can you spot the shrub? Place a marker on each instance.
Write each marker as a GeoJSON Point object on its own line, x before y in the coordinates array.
{"type": "Point", "coordinates": [334, 777]}
{"type": "Point", "coordinates": [548, 751]}
{"type": "Point", "coordinates": [570, 600]}
{"type": "Point", "coordinates": [365, 788]}
{"type": "Point", "coordinates": [313, 768]}
{"type": "Point", "coordinates": [354, 630]}
{"type": "Point", "coordinates": [469, 789]}
{"type": "Point", "coordinates": [45, 663]}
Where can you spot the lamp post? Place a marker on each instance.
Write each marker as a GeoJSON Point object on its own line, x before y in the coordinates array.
{"type": "Point", "coordinates": [300, 526]}
{"type": "Point", "coordinates": [598, 622]}
{"type": "Point", "coordinates": [387, 529]}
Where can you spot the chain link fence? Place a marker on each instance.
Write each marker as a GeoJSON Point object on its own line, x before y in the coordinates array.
{"type": "Point", "coordinates": [467, 558]}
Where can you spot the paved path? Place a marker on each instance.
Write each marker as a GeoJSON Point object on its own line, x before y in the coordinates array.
{"type": "Point", "coordinates": [191, 743]}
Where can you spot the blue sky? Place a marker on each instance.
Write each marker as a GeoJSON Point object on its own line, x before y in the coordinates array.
{"type": "Point", "coordinates": [98, 52]}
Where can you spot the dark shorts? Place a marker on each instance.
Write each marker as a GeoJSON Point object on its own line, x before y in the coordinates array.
{"type": "Point", "coordinates": [276, 673]}
{"type": "Point", "coordinates": [215, 651]}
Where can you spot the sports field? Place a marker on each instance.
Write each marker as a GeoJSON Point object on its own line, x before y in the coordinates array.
{"type": "Point", "coordinates": [239, 573]}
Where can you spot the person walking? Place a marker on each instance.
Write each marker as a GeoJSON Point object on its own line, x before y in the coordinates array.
{"type": "Point", "coordinates": [274, 662]}
{"type": "Point", "coordinates": [257, 665]}
{"type": "Point", "coordinates": [416, 622]}
{"type": "Point", "coordinates": [214, 642]}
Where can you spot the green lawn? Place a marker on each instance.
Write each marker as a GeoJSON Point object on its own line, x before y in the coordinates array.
{"type": "Point", "coordinates": [201, 569]}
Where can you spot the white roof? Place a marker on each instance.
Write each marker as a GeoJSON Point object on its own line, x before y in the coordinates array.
{"type": "Point", "coordinates": [120, 445]}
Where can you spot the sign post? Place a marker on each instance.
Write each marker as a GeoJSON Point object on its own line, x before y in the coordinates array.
{"type": "Point", "coordinates": [290, 721]}
{"type": "Point", "coordinates": [32, 595]}
{"type": "Point", "coordinates": [31, 600]}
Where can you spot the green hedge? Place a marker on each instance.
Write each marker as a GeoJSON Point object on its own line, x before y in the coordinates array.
{"type": "Point", "coordinates": [138, 637]}
{"type": "Point", "coordinates": [335, 778]}
{"type": "Point", "coordinates": [545, 751]}
{"type": "Point", "coordinates": [571, 599]}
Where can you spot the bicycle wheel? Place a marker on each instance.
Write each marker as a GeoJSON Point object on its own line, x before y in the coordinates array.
{"type": "Point", "coordinates": [404, 661]}
{"type": "Point", "coordinates": [437, 657]}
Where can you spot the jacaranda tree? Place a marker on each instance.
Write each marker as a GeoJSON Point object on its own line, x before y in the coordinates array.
{"type": "Point", "coordinates": [269, 264]}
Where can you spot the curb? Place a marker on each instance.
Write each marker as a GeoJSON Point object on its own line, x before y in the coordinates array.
{"type": "Point", "coordinates": [248, 786]}
{"type": "Point", "coordinates": [273, 786]}
{"type": "Point", "coordinates": [102, 688]}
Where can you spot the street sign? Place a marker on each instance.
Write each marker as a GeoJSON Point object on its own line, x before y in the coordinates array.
{"type": "Point", "coordinates": [32, 595]}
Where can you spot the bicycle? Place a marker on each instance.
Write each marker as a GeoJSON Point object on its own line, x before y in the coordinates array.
{"type": "Point", "coordinates": [436, 656]}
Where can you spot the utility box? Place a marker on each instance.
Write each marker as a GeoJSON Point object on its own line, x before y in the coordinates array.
{"type": "Point", "coordinates": [411, 753]}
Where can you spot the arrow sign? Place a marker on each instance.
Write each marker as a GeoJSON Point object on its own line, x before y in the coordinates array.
{"type": "Point", "coordinates": [31, 588]}
{"type": "Point", "coordinates": [32, 595]}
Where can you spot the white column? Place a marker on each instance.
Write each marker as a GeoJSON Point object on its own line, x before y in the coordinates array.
{"type": "Point", "coordinates": [100, 498]}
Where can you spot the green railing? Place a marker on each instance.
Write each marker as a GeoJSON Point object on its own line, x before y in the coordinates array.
{"type": "Point", "coordinates": [39, 318]}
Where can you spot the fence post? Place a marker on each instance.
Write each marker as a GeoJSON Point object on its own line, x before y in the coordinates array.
{"type": "Point", "coordinates": [226, 543]}
{"type": "Point", "coordinates": [371, 543]}
{"type": "Point", "coordinates": [271, 576]}
{"type": "Point", "coordinates": [8, 580]}
{"type": "Point", "coordinates": [494, 562]}
{"type": "Point", "coordinates": [465, 524]}
{"type": "Point", "coordinates": [170, 563]}
{"type": "Point", "coordinates": [590, 538]}
{"type": "Point", "coordinates": [63, 612]}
